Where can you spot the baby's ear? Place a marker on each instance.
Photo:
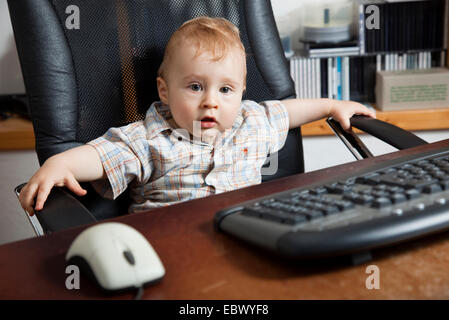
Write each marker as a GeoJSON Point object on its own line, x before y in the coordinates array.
{"type": "Point", "coordinates": [162, 89]}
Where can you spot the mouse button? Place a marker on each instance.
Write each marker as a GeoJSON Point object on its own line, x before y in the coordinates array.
{"type": "Point", "coordinates": [124, 248]}
{"type": "Point", "coordinates": [148, 266]}
{"type": "Point", "coordinates": [84, 245]}
{"type": "Point", "coordinates": [111, 269]}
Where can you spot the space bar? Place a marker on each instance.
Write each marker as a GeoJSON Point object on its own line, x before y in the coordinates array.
{"type": "Point", "coordinates": [281, 217]}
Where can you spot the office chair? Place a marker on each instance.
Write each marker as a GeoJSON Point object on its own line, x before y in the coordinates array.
{"type": "Point", "coordinates": [92, 65]}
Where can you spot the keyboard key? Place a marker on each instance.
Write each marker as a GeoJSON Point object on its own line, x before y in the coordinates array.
{"type": "Point", "coordinates": [294, 219]}
{"type": "Point", "coordinates": [344, 205]}
{"type": "Point", "coordinates": [433, 188]}
{"type": "Point", "coordinates": [275, 216]}
{"type": "Point", "coordinates": [412, 194]}
{"type": "Point", "coordinates": [398, 198]}
{"type": "Point", "coordinates": [381, 187]}
{"type": "Point", "coordinates": [396, 190]}
{"type": "Point", "coordinates": [371, 179]}
{"type": "Point", "coordinates": [300, 210]}
{"type": "Point", "coordinates": [319, 206]}
{"type": "Point", "coordinates": [267, 201]}
{"type": "Point", "coordinates": [444, 184]}
{"type": "Point", "coordinates": [420, 183]}
{"type": "Point", "coordinates": [314, 214]}
{"type": "Point", "coordinates": [340, 189]}
{"type": "Point", "coordinates": [380, 194]}
{"type": "Point", "coordinates": [289, 200]}
{"type": "Point", "coordinates": [381, 203]}
{"type": "Point", "coordinates": [438, 174]}
{"type": "Point", "coordinates": [318, 191]}
{"type": "Point", "coordinates": [331, 210]}
{"type": "Point", "coordinates": [364, 199]}
{"type": "Point", "coordinates": [351, 196]}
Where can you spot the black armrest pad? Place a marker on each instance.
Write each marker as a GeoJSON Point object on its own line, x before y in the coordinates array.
{"type": "Point", "coordinates": [62, 211]}
{"type": "Point", "coordinates": [395, 136]}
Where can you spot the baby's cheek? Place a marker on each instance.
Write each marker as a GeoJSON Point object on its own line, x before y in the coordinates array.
{"type": "Point", "coordinates": [184, 117]}
{"type": "Point", "coordinates": [229, 118]}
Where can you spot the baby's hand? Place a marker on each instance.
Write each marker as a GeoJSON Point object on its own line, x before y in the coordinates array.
{"type": "Point", "coordinates": [52, 173]}
{"type": "Point", "coordinates": [342, 111]}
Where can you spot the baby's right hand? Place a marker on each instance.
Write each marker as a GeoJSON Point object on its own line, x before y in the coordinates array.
{"type": "Point", "coordinates": [52, 173]}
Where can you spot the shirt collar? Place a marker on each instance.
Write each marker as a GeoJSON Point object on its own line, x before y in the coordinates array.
{"type": "Point", "coordinates": [156, 118]}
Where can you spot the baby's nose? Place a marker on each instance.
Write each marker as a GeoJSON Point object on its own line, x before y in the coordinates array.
{"type": "Point", "coordinates": [210, 106]}
{"type": "Point", "coordinates": [210, 100]}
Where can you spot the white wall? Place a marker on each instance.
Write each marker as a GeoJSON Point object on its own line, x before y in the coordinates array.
{"type": "Point", "coordinates": [11, 81]}
{"type": "Point", "coordinates": [326, 151]}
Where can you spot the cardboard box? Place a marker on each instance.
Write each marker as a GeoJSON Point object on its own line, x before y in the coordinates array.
{"type": "Point", "coordinates": [412, 89]}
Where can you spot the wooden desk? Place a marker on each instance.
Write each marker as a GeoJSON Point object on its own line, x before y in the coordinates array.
{"type": "Point", "coordinates": [202, 263]}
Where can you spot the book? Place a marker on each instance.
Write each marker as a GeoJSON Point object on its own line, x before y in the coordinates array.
{"type": "Point", "coordinates": [318, 79]}
{"type": "Point", "coordinates": [353, 78]}
{"type": "Point", "coordinates": [320, 50]}
{"type": "Point", "coordinates": [361, 28]}
{"type": "Point", "coordinates": [323, 78]}
{"type": "Point", "coordinates": [330, 77]}
{"type": "Point", "coordinates": [339, 78]}
{"type": "Point", "coordinates": [345, 79]}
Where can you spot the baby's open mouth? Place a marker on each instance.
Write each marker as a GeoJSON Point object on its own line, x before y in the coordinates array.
{"type": "Point", "coordinates": [208, 119]}
{"type": "Point", "coordinates": [208, 122]}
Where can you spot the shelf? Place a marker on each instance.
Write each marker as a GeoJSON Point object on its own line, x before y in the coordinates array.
{"type": "Point", "coordinates": [16, 134]}
{"type": "Point", "coordinates": [411, 120]}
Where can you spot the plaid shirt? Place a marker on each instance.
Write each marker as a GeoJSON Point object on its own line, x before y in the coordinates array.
{"type": "Point", "coordinates": [163, 166]}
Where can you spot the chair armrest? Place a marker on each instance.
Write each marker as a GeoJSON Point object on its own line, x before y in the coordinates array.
{"type": "Point", "coordinates": [62, 211]}
{"type": "Point", "coordinates": [394, 136]}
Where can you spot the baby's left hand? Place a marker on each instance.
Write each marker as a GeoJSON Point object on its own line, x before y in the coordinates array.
{"type": "Point", "coordinates": [342, 111]}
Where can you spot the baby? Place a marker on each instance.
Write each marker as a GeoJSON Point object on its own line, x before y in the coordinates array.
{"type": "Point", "coordinates": [199, 139]}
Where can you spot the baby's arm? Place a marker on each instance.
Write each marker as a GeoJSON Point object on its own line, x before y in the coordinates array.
{"type": "Point", "coordinates": [64, 169]}
{"type": "Point", "coordinates": [301, 111]}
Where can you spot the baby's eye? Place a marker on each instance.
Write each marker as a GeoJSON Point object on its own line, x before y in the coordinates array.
{"type": "Point", "coordinates": [195, 87]}
{"type": "Point", "coordinates": [225, 90]}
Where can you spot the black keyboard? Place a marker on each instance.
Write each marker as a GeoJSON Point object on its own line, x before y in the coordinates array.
{"type": "Point", "coordinates": [391, 202]}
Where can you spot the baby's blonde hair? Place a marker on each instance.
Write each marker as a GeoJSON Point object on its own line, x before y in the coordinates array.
{"type": "Point", "coordinates": [213, 35]}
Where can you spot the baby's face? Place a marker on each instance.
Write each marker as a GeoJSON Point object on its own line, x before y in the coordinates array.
{"type": "Point", "coordinates": [201, 90]}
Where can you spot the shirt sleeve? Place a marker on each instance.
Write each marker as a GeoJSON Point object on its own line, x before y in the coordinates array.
{"type": "Point", "coordinates": [279, 123]}
{"type": "Point", "coordinates": [125, 155]}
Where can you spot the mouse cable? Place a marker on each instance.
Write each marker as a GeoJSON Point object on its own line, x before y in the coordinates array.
{"type": "Point", "coordinates": [139, 293]}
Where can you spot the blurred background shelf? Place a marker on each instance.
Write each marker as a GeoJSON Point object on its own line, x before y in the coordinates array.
{"type": "Point", "coordinates": [412, 120]}
{"type": "Point", "coordinates": [17, 133]}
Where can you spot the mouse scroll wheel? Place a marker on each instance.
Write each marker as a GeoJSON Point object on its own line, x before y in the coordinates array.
{"type": "Point", "coordinates": [129, 257]}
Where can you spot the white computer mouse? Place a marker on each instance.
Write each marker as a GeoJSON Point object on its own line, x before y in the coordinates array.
{"type": "Point", "coordinates": [116, 256]}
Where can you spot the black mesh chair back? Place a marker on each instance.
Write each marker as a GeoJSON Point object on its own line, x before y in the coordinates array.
{"type": "Point", "coordinates": [92, 65]}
